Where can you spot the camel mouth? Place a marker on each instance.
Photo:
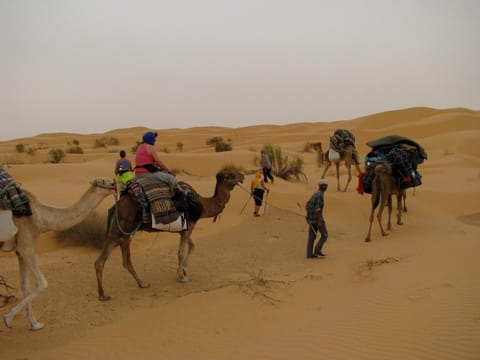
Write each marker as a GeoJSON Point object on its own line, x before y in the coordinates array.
{"type": "Point", "coordinates": [107, 184]}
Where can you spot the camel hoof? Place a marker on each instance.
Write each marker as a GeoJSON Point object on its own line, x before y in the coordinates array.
{"type": "Point", "coordinates": [367, 239]}
{"type": "Point", "coordinates": [184, 279]}
{"type": "Point", "coordinates": [385, 234]}
{"type": "Point", "coordinates": [7, 321]}
{"type": "Point", "coordinates": [144, 284]}
{"type": "Point", "coordinates": [400, 223]}
{"type": "Point", "coordinates": [37, 326]}
{"type": "Point", "coordinates": [104, 298]}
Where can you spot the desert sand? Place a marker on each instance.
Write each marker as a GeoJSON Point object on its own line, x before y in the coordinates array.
{"type": "Point", "coordinates": [414, 294]}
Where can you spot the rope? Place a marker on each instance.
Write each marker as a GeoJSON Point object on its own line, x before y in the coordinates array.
{"type": "Point", "coordinates": [118, 221]}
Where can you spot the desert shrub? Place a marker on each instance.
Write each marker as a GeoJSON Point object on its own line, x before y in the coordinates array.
{"type": "Point", "coordinates": [220, 144]}
{"type": "Point", "coordinates": [74, 149]}
{"type": "Point", "coordinates": [76, 142]}
{"type": "Point", "coordinates": [282, 166]}
{"type": "Point", "coordinates": [307, 148]}
{"type": "Point", "coordinates": [20, 148]}
{"type": "Point", "coordinates": [180, 146]}
{"type": "Point", "coordinates": [135, 147]}
{"type": "Point", "coordinates": [31, 151]}
{"type": "Point", "coordinates": [89, 233]}
{"type": "Point", "coordinates": [104, 141]}
{"type": "Point", "coordinates": [56, 155]}
{"type": "Point", "coordinates": [233, 167]}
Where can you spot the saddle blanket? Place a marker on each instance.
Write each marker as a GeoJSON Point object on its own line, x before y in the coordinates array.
{"type": "Point", "coordinates": [12, 197]}
{"type": "Point", "coordinates": [7, 226]}
{"type": "Point", "coordinates": [177, 225]}
{"type": "Point", "coordinates": [159, 198]}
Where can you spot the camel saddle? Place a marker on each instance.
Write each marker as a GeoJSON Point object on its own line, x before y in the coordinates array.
{"type": "Point", "coordinates": [12, 197]}
{"type": "Point", "coordinates": [402, 154]}
{"type": "Point", "coordinates": [155, 198]}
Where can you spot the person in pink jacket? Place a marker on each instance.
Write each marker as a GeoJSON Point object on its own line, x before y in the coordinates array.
{"type": "Point", "coordinates": [148, 162]}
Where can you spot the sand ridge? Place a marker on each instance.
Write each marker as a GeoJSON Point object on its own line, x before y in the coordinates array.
{"type": "Point", "coordinates": [412, 294]}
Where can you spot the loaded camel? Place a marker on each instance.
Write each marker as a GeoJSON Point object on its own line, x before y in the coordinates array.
{"type": "Point", "coordinates": [46, 218]}
{"type": "Point", "coordinates": [347, 157]}
{"type": "Point", "coordinates": [126, 217]}
{"type": "Point", "coordinates": [383, 187]}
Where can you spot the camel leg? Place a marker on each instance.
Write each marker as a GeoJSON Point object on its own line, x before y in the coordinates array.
{"type": "Point", "coordinates": [349, 172]}
{"type": "Point", "coordinates": [28, 263]}
{"type": "Point", "coordinates": [404, 195]}
{"type": "Point", "coordinates": [100, 264]}
{"type": "Point", "coordinates": [367, 239]}
{"type": "Point", "coordinates": [327, 166]}
{"type": "Point", "coordinates": [379, 218]}
{"type": "Point", "coordinates": [389, 205]}
{"type": "Point", "coordinates": [337, 168]}
{"type": "Point", "coordinates": [127, 262]}
{"type": "Point", "coordinates": [399, 208]}
{"type": "Point", "coordinates": [185, 248]}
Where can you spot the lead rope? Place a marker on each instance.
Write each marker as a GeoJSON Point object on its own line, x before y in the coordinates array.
{"type": "Point", "coordinates": [118, 221]}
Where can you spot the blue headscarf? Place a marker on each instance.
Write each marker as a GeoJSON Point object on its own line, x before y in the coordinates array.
{"type": "Point", "coordinates": [150, 137]}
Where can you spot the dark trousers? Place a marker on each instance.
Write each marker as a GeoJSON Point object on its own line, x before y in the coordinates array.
{"type": "Point", "coordinates": [313, 230]}
{"type": "Point", "coordinates": [267, 175]}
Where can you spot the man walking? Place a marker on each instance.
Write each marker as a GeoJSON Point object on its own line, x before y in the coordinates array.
{"type": "Point", "coordinates": [316, 222]}
{"type": "Point", "coordinates": [266, 166]}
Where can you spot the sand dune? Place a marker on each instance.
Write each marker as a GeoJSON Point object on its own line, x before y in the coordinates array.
{"type": "Point", "coordinates": [413, 294]}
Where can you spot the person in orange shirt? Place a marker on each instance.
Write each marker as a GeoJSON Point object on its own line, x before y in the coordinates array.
{"type": "Point", "coordinates": [258, 189]}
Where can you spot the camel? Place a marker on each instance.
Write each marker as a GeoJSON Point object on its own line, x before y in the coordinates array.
{"type": "Point", "coordinates": [126, 217]}
{"type": "Point", "coordinates": [47, 218]}
{"type": "Point", "coordinates": [383, 187]}
{"type": "Point", "coordinates": [346, 157]}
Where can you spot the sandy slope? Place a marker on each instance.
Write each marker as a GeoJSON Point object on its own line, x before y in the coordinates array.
{"type": "Point", "coordinates": [413, 294]}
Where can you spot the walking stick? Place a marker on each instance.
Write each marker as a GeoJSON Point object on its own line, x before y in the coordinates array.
{"type": "Point", "coordinates": [244, 206]}
{"type": "Point", "coordinates": [266, 202]}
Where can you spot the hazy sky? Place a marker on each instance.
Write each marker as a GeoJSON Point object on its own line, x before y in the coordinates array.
{"type": "Point", "coordinates": [89, 66]}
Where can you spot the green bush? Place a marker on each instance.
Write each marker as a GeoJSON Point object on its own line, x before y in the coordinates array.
{"type": "Point", "coordinates": [56, 155]}
{"type": "Point", "coordinates": [219, 144]}
{"type": "Point", "coordinates": [135, 147]}
{"type": "Point", "coordinates": [104, 141]}
{"type": "Point", "coordinates": [20, 148]}
{"type": "Point", "coordinates": [282, 166]}
{"type": "Point", "coordinates": [74, 149]}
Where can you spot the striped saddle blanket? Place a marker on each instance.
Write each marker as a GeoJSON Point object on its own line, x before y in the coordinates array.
{"type": "Point", "coordinates": [12, 197]}
{"type": "Point", "coordinates": [155, 197]}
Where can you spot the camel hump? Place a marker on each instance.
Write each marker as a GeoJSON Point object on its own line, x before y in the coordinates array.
{"type": "Point", "coordinates": [340, 139]}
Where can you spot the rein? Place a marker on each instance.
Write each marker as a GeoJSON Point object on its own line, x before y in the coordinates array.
{"type": "Point", "coordinates": [115, 195]}
{"type": "Point", "coordinates": [117, 221]}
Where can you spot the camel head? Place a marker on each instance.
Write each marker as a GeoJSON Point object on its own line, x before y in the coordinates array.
{"type": "Point", "coordinates": [316, 146]}
{"type": "Point", "coordinates": [104, 183]}
{"type": "Point", "coordinates": [230, 176]}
